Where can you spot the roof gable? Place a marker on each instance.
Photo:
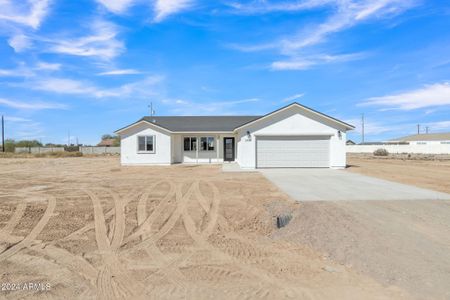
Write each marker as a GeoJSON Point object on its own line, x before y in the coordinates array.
{"type": "Point", "coordinates": [295, 104]}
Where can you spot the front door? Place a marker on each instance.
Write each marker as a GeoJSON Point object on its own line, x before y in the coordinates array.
{"type": "Point", "coordinates": [228, 149]}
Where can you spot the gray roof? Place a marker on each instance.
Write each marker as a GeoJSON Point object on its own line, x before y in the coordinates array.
{"type": "Point", "coordinates": [445, 136]}
{"type": "Point", "coordinates": [200, 123]}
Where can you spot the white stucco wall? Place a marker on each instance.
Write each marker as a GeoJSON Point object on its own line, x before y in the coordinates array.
{"type": "Point", "coordinates": [292, 121]}
{"type": "Point", "coordinates": [129, 145]}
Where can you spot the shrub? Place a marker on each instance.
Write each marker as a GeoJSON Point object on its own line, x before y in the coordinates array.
{"type": "Point", "coordinates": [381, 152]}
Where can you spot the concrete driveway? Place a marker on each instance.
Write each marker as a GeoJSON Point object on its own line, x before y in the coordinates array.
{"type": "Point", "coordinates": [333, 185]}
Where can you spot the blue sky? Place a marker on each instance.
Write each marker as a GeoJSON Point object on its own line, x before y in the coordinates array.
{"type": "Point", "coordinates": [93, 66]}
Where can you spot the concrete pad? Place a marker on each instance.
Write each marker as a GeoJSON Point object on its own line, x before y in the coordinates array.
{"type": "Point", "coordinates": [234, 167]}
{"type": "Point", "coordinates": [334, 185]}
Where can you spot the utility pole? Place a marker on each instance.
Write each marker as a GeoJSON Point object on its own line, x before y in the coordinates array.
{"type": "Point", "coordinates": [426, 130]}
{"type": "Point", "coordinates": [3, 134]}
{"type": "Point", "coordinates": [418, 128]}
{"type": "Point", "coordinates": [362, 128]}
{"type": "Point", "coordinates": [68, 137]}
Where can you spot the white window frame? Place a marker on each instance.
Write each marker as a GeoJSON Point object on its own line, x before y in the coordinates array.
{"type": "Point", "coordinates": [145, 151]}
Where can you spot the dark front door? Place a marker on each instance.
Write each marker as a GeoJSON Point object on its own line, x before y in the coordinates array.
{"type": "Point", "coordinates": [228, 149]}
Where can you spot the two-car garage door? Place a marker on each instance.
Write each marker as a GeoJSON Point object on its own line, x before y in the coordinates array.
{"type": "Point", "coordinates": [293, 152]}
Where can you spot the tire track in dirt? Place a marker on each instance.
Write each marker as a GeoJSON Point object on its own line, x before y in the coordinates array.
{"type": "Point", "coordinates": [68, 260]}
{"type": "Point", "coordinates": [28, 240]}
{"type": "Point", "coordinates": [201, 239]}
{"type": "Point", "coordinates": [113, 281]}
{"type": "Point", "coordinates": [74, 235]}
{"type": "Point", "coordinates": [168, 225]}
{"type": "Point", "coordinates": [145, 223]}
{"type": "Point", "coordinates": [5, 232]}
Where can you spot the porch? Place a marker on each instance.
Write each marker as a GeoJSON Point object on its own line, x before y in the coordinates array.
{"type": "Point", "coordinates": [203, 148]}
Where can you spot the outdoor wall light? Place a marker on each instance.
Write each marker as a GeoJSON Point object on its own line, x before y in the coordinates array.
{"type": "Point", "coordinates": [248, 134]}
{"type": "Point", "coordinates": [339, 134]}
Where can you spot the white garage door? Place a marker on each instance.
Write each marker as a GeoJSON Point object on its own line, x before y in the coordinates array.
{"type": "Point", "coordinates": [293, 152]}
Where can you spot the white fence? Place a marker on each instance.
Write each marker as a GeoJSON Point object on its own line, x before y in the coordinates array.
{"type": "Point", "coordinates": [419, 149]}
{"type": "Point", "coordinates": [100, 150]}
{"type": "Point", "coordinates": [36, 150]}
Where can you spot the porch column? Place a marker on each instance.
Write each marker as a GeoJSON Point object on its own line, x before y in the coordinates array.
{"type": "Point", "coordinates": [218, 147]}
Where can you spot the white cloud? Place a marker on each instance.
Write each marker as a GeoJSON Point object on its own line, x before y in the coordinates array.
{"type": "Point", "coordinates": [19, 43]}
{"type": "Point", "coordinates": [346, 14]}
{"type": "Point", "coordinates": [261, 7]}
{"type": "Point", "coordinates": [120, 72]}
{"type": "Point", "coordinates": [293, 97]}
{"type": "Point", "coordinates": [164, 8]}
{"type": "Point", "coordinates": [101, 43]}
{"type": "Point", "coordinates": [28, 13]}
{"type": "Point", "coordinates": [116, 6]}
{"type": "Point", "coordinates": [47, 66]}
{"type": "Point", "coordinates": [16, 119]}
{"type": "Point", "coordinates": [438, 126]}
{"type": "Point", "coordinates": [308, 62]}
{"type": "Point", "coordinates": [437, 94]}
{"type": "Point", "coordinates": [31, 105]}
{"type": "Point", "coordinates": [139, 88]}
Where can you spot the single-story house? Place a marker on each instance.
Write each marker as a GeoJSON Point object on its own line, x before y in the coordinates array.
{"type": "Point", "coordinates": [290, 137]}
{"type": "Point", "coordinates": [442, 138]}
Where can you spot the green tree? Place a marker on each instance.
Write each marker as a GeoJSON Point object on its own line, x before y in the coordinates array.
{"type": "Point", "coordinates": [107, 137]}
{"type": "Point", "coordinates": [10, 145]}
{"type": "Point", "coordinates": [28, 143]}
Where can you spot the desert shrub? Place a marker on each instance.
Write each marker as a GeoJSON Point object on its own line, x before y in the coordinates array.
{"type": "Point", "coordinates": [381, 152]}
{"type": "Point", "coordinates": [59, 154]}
{"type": "Point", "coordinates": [71, 148]}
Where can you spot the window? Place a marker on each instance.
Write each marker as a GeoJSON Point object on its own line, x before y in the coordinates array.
{"type": "Point", "coordinates": [445, 143]}
{"type": "Point", "coordinates": [205, 143]}
{"type": "Point", "coordinates": [190, 144]}
{"type": "Point", "coordinates": [210, 143]}
{"type": "Point", "coordinates": [421, 143]}
{"type": "Point", "coordinates": [146, 143]}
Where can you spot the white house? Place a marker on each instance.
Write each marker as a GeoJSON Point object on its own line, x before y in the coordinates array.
{"type": "Point", "coordinates": [293, 136]}
{"type": "Point", "coordinates": [442, 138]}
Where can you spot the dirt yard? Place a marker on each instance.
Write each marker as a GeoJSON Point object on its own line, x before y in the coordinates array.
{"type": "Point", "coordinates": [87, 228]}
{"type": "Point", "coordinates": [426, 173]}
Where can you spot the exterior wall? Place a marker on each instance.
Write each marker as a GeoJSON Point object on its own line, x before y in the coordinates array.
{"type": "Point", "coordinates": [434, 148]}
{"type": "Point", "coordinates": [129, 146]}
{"type": "Point", "coordinates": [293, 121]}
{"type": "Point", "coordinates": [100, 150]}
{"type": "Point", "coordinates": [36, 150]}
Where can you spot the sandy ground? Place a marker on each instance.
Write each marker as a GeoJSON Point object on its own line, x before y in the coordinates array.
{"type": "Point", "coordinates": [91, 229]}
{"type": "Point", "coordinates": [401, 243]}
{"type": "Point", "coordinates": [430, 174]}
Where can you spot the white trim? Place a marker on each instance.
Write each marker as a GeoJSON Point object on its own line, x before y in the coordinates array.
{"type": "Point", "coordinates": [293, 134]}
{"type": "Point", "coordinates": [140, 122]}
{"type": "Point", "coordinates": [289, 107]}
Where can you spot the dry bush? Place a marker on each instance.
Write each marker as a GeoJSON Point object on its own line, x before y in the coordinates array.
{"type": "Point", "coordinates": [381, 152]}
{"type": "Point", "coordinates": [59, 154]}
